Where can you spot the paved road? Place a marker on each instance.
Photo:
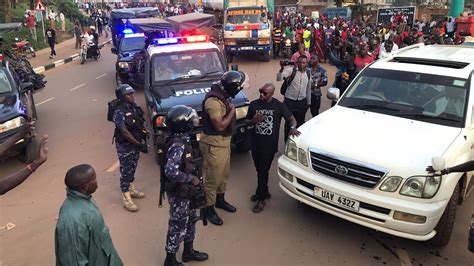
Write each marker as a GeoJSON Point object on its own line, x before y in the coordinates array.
{"type": "Point", "coordinates": [72, 110]}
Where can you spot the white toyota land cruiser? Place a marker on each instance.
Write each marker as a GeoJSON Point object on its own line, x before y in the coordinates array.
{"type": "Point", "coordinates": [365, 159]}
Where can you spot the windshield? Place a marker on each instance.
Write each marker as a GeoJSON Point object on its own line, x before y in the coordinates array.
{"type": "Point", "coordinates": [186, 65]}
{"type": "Point", "coordinates": [4, 82]}
{"type": "Point", "coordinates": [245, 16]}
{"type": "Point", "coordinates": [133, 43]}
{"type": "Point", "coordinates": [423, 97]}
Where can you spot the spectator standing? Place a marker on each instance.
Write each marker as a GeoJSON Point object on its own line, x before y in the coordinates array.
{"type": "Point", "coordinates": [277, 35]}
{"type": "Point", "coordinates": [298, 93]}
{"type": "Point", "coordinates": [319, 78]}
{"type": "Point", "coordinates": [265, 115]}
{"type": "Point", "coordinates": [81, 236]}
{"type": "Point", "coordinates": [31, 24]}
{"type": "Point", "coordinates": [301, 51]}
{"type": "Point", "coordinates": [77, 33]}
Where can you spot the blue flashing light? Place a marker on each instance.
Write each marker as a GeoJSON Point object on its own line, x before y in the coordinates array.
{"type": "Point", "coordinates": [127, 31]}
{"type": "Point", "coordinates": [134, 35]}
{"type": "Point", "coordinates": [164, 41]}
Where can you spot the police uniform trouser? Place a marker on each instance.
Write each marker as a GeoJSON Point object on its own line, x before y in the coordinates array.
{"type": "Point", "coordinates": [216, 167]}
{"type": "Point", "coordinates": [128, 156]}
{"type": "Point", "coordinates": [182, 223]}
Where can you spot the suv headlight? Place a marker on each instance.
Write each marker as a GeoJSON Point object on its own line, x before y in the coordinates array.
{"type": "Point", "coordinates": [291, 150]}
{"type": "Point", "coordinates": [391, 184]}
{"type": "Point", "coordinates": [421, 186]}
{"type": "Point", "coordinates": [302, 157]}
{"type": "Point", "coordinates": [12, 124]}
{"type": "Point", "coordinates": [241, 112]}
{"type": "Point", "coordinates": [123, 65]}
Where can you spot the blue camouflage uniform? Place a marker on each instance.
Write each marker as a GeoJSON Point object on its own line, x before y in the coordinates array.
{"type": "Point", "coordinates": [128, 154]}
{"type": "Point", "coordinates": [182, 222]}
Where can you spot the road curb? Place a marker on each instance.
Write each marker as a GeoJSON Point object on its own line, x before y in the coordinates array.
{"type": "Point", "coordinates": [41, 69]}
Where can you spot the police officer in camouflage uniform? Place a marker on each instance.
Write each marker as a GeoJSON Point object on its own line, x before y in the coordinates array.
{"type": "Point", "coordinates": [178, 169]}
{"type": "Point", "coordinates": [130, 139]}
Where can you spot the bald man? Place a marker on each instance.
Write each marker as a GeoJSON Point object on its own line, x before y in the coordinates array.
{"type": "Point", "coordinates": [265, 115]}
{"type": "Point", "coordinates": [82, 237]}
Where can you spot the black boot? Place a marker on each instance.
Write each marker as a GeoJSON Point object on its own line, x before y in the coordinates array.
{"type": "Point", "coordinates": [190, 254]}
{"type": "Point", "coordinates": [212, 216]}
{"type": "Point", "coordinates": [222, 204]}
{"type": "Point", "coordinates": [171, 260]}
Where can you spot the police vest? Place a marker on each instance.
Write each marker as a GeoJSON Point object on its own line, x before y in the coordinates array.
{"type": "Point", "coordinates": [181, 190]}
{"type": "Point", "coordinates": [134, 122]}
{"type": "Point", "coordinates": [207, 127]}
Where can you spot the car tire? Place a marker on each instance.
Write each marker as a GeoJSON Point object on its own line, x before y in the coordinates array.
{"type": "Point", "coordinates": [229, 57]}
{"type": "Point", "coordinates": [266, 56]}
{"type": "Point", "coordinates": [30, 152]}
{"type": "Point", "coordinates": [244, 146]}
{"type": "Point", "coordinates": [445, 225]}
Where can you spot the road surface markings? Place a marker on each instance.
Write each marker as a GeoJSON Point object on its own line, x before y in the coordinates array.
{"type": "Point", "coordinates": [403, 257]}
{"type": "Point", "coordinates": [77, 87]}
{"type": "Point", "coordinates": [113, 167]}
{"type": "Point", "coordinates": [103, 75]}
{"type": "Point", "coordinates": [45, 101]}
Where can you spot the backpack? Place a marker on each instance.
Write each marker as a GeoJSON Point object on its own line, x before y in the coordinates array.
{"type": "Point", "coordinates": [287, 81]}
{"type": "Point", "coordinates": [112, 106]}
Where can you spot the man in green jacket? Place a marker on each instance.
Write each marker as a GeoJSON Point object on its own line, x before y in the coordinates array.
{"type": "Point", "coordinates": [82, 237]}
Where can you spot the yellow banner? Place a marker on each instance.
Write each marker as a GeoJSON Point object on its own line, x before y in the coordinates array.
{"type": "Point", "coordinates": [244, 12]}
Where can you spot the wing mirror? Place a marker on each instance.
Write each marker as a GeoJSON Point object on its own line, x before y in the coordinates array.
{"type": "Point", "coordinates": [113, 50]}
{"type": "Point", "coordinates": [438, 163]}
{"type": "Point", "coordinates": [25, 86]}
{"type": "Point", "coordinates": [333, 93]}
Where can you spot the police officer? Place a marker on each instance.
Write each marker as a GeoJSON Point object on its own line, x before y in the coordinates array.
{"type": "Point", "coordinates": [178, 169]}
{"type": "Point", "coordinates": [130, 138]}
{"type": "Point", "coordinates": [218, 126]}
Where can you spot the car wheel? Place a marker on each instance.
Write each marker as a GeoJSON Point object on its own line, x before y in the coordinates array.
{"type": "Point", "coordinates": [445, 225]}
{"type": "Point", "coordinates": [266, 56]}
{"type": "Point", "coordinates": [244, 146]}
{"type": "Point", "coordinates": [30, 153]}
{"type": "Point", "coordinates": [229, 57]}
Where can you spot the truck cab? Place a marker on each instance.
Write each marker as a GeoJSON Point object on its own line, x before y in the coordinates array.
{"type": "Point", "coordinates": [180, 71]}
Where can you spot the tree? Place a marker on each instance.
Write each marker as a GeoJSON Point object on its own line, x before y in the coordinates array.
{"type": "Point", "coordinates": [7, 10]}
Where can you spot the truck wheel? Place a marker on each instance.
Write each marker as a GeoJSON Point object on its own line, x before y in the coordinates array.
{"type": "Point", "coordinates": [446, 223]}
{"type": "Point", "coordinates": [266, 56]}
{"type": "Point", "coordinates": [244, 146]}
{"type": "Point", "coordinates": [229, 57]}
{"type": "Point", "coordinates": [30, 153]}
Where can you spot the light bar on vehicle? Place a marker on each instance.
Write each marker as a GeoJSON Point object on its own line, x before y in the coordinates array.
{"type": "Point", "coordinates": [127, 31]}
{"type": "Point", "coordinates": [185, 39]}
{"type": "Point", "coordinates": [134, 35]}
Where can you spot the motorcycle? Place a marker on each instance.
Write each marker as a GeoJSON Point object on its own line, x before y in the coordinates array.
{"type": "Point", "coordinates": [286, 47]}
{"type": "Point", "coordinates": [89, 50]}
{"type": "Point", "coordinates": [23, 47]}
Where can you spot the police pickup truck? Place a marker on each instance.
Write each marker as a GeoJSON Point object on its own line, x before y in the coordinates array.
{"type": "Point", "coordinates": [181, 70]}
{"type": "Point", "coordinates": [127, 47]}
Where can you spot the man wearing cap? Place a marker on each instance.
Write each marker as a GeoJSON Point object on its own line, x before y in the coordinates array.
{"type": "Point", "coordinates": [130, 139]}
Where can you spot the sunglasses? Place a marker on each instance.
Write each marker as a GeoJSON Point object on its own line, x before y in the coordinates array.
{"type": "Point", "coordinates": [263, 92]}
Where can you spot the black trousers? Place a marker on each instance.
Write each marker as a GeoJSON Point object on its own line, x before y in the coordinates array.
{"type": "Point", "coordinates": [276, 49]}
{"type": "Point", "coordinates": [298, 109]}
{"type": "Point", "coordinates": [51, 45]}
{"type": "Point", "coordinates": [263, 161]}
{"type": "Point", "coordinates": [315, 105]}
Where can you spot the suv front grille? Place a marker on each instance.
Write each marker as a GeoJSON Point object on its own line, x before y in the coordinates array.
{"type": "Point", "coordinates": [346, 170]}
{"type": "Point", "coordinates": [244, 42]}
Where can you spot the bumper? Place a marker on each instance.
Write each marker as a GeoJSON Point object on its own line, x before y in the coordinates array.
{"type": "Point", "coordinates": [376, 209]}
{"type": "Point", "coordinates": [247, 49]}
{"type": "Point", "coordinates": [17, 147]}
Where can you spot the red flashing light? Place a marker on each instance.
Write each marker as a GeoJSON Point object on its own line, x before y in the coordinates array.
{"type": "Point", "coordinates": [197, 38]}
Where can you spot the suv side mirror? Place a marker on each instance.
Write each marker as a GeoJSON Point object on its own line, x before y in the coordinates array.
{"type": "Point", "coordinates": [438, 163]}
{"type": "Point", "coordinates": [333, 93]}
{"type": "Point", "coordinates": [113, 50]}
{"type": "Point", "coordinates": [25, 86]}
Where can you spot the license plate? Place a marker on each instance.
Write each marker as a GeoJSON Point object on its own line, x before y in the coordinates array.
{"type": "Point", "coordinates": [336, 199]}
{"type": "Point", "coordinates": [246, 48]}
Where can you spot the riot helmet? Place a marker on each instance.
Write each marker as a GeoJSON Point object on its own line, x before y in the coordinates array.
{"type": "Point", "coordinates": [181, 119]}
{"type": "Point", "coordinates": [233, 82]}
{"type": "Point", "coordinates": [123, 90]}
